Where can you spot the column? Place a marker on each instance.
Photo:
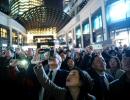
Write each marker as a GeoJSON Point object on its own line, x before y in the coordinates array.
{"type": "Point", "coordinates": [104, 20]}
{"type": "Point", "coordinates": [10, 37]}
{"type": "Point", "coordinates": [91, 31]}
{"type": "Point", "coordinates": [9, 33]}
{"type": "Point", "coordinates": [81, 28]}
{"type": "Point", "coordinates": [66, 37]}
{"type": "Point", "coordinates": [128, 36]}
{"type": "Point", "coordinates": [74, 37]}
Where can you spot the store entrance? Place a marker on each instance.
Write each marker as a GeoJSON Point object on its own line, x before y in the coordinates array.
{"type": "Point", "coordinates": [122, 38]}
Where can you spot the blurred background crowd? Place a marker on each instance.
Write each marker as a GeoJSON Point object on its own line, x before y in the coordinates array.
{"type": "Point", "coordinates": [109, 69]}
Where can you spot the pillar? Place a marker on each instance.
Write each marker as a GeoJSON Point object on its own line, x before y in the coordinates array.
{"type": "Point", "coordinates": [105, 31]}
{"type": "Point", "coordinates": [91, 31]}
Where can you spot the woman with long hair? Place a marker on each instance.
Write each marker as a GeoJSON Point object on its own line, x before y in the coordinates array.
{"type": "Point", "coordinates": [78, 85]}
{"type": "Point", "coordinates": [115, 68]}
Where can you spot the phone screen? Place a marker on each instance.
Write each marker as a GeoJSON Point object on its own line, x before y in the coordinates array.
{"type": "Point", "coordinates": [42, 56]}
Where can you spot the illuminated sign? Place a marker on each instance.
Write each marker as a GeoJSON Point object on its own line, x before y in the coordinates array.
{"type": "Point", "coordinates": [118, 11]}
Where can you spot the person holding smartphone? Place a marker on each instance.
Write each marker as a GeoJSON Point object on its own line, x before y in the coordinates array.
{"type": "Point", "coordinates": [78, 85]}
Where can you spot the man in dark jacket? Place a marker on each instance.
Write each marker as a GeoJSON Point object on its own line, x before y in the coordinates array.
{"type": "Point", "coordinates": [120, 89]}
{"type": "Point", "coordinates": [106, 56]}
{"type": "Point", "coordinates": [64, 60]}
{"type": "Point", "coordinates": [11, 86]}
{"type": "Point", "coordinates": [58, 76]}
{"type": "Point", "coordinates": [101, 78]}
{"type": "Point", "coordinates": [87, 57]}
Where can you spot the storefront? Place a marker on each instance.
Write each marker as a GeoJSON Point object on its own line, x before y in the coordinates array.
{"type": "Point", "coordinates": [62, 40]}
{"type": "Point", "coordinates": [14, 37]}
{"type": "Point", "coordinates": [18, 39]}
{"type": "Point", "coordinates": [70, 38]}
{"type": "Point", "coordinates": [78, 37]}
{"type": "Point", "coordinates": [3, 37]}
{"type": "Point", "coordinates": [86, 33]}
{"type": "Point", "coordinates": [97, 27]}
{"type": "Point", "coordinates": [120, 37]}
{"type": "Point", "coordinates": [119, 22]}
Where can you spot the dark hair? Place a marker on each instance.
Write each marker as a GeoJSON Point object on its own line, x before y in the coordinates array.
{"type": "Point", "coordinates": [91, 47]}
{"type": "Point", "coordinates": [92, 59]}
{"type": "Point", "coordinates": [10, 49]}
{"type": "Point", "coordinates": [117, 60]}
{"type": "Point", "coordinates": [126, 53]}
{"type": "Point", "coordinates": [112, 52]}
{"type": "Point", "coordinates": [68, 58]}
{"type": "Point", "coordinates": [86, 80]}
{"type": "Point", "coordinates": [62, 51]}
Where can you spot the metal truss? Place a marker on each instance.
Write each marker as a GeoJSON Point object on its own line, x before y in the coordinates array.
{"type": "Point", "coordinates": [44, 17]}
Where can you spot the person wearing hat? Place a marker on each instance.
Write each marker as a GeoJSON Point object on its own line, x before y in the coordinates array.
{"type": "Point", "coordinates": [78, 85]}
{"type": "Point", "coordinates": [120, 89]}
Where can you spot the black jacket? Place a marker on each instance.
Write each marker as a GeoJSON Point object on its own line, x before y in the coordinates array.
{"type": "Point", "coordinates": [87, 60]}
{"type": "Point", "coordinates": [58, 93]}
{"type": "Point", "coordinates": [79, 63]}
{"type": "Point", "coordinates": [120, 89]}
{"type": "Point", "coordinates": [4, 62]}
{"type": "Point", "coordinates": [98, 88]}
{"type": "Point", "coordinates": [11, 87]}
{"type": "Point", "coordinates": [60, 77]}
{"type": "Point", "coordinates": [31, 84]}
{"type": "Point", "coordinates": [64, 65]}
{"type": "Point", "coordinates": [59, 80]}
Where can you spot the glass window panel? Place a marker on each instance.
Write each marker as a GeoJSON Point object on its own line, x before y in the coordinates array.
{"type": "Point", "coordinates": [100, 21]}
{"type": "Point", "coordinates": [24, 5]}
{"type": "Point", "coordinates": [99, 38]}
{"type": "Point", "coordinates": [78, 32]}
{"type": "Point", "coordinates": [117, 11]}
{"type": "Point", "coordinates": [3, 33]}
{"type": "Point", "coordinates": [86, 27]}
{"type": "Point", "coordinates": [128, 8]}
{"type": "Point", "coordinates": [97, 22]}
{"type": "Point", "coordinates": [78, 37]}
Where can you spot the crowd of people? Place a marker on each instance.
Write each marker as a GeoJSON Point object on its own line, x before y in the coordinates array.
{"type": "Point", "coordinates": [65, 74]}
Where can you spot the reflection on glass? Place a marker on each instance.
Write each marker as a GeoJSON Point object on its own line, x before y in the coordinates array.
{"type": "Point", "coordinates": [78, 37]}
{"type": "Point", "coordinates": [118, 11]}
{"type": "Point", "coordinates": [3, 33]}
{"type": "Point", "coordinates": [99, 38]}
{"type": "Point", "coordinates": [97, 22]}
{"type": "Point", "coordinates": [15, 38]}
{"type": "Point", "coordinates": [47, 31]}
{"type": "Point", "coordinates": [122, 38]}
{"type": "Point", "coordinates": [41, 32]}
{"type": "Point", "coordinates": [20, 6]}
{"type": "Point", "coordinates": [20, 39]}
{"type": "Point", "coordinates": [128, 10]}
{"type": "Point", "coordinates": [78, 33]}
{"type": "Point", "coordinates": [86, 29]}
